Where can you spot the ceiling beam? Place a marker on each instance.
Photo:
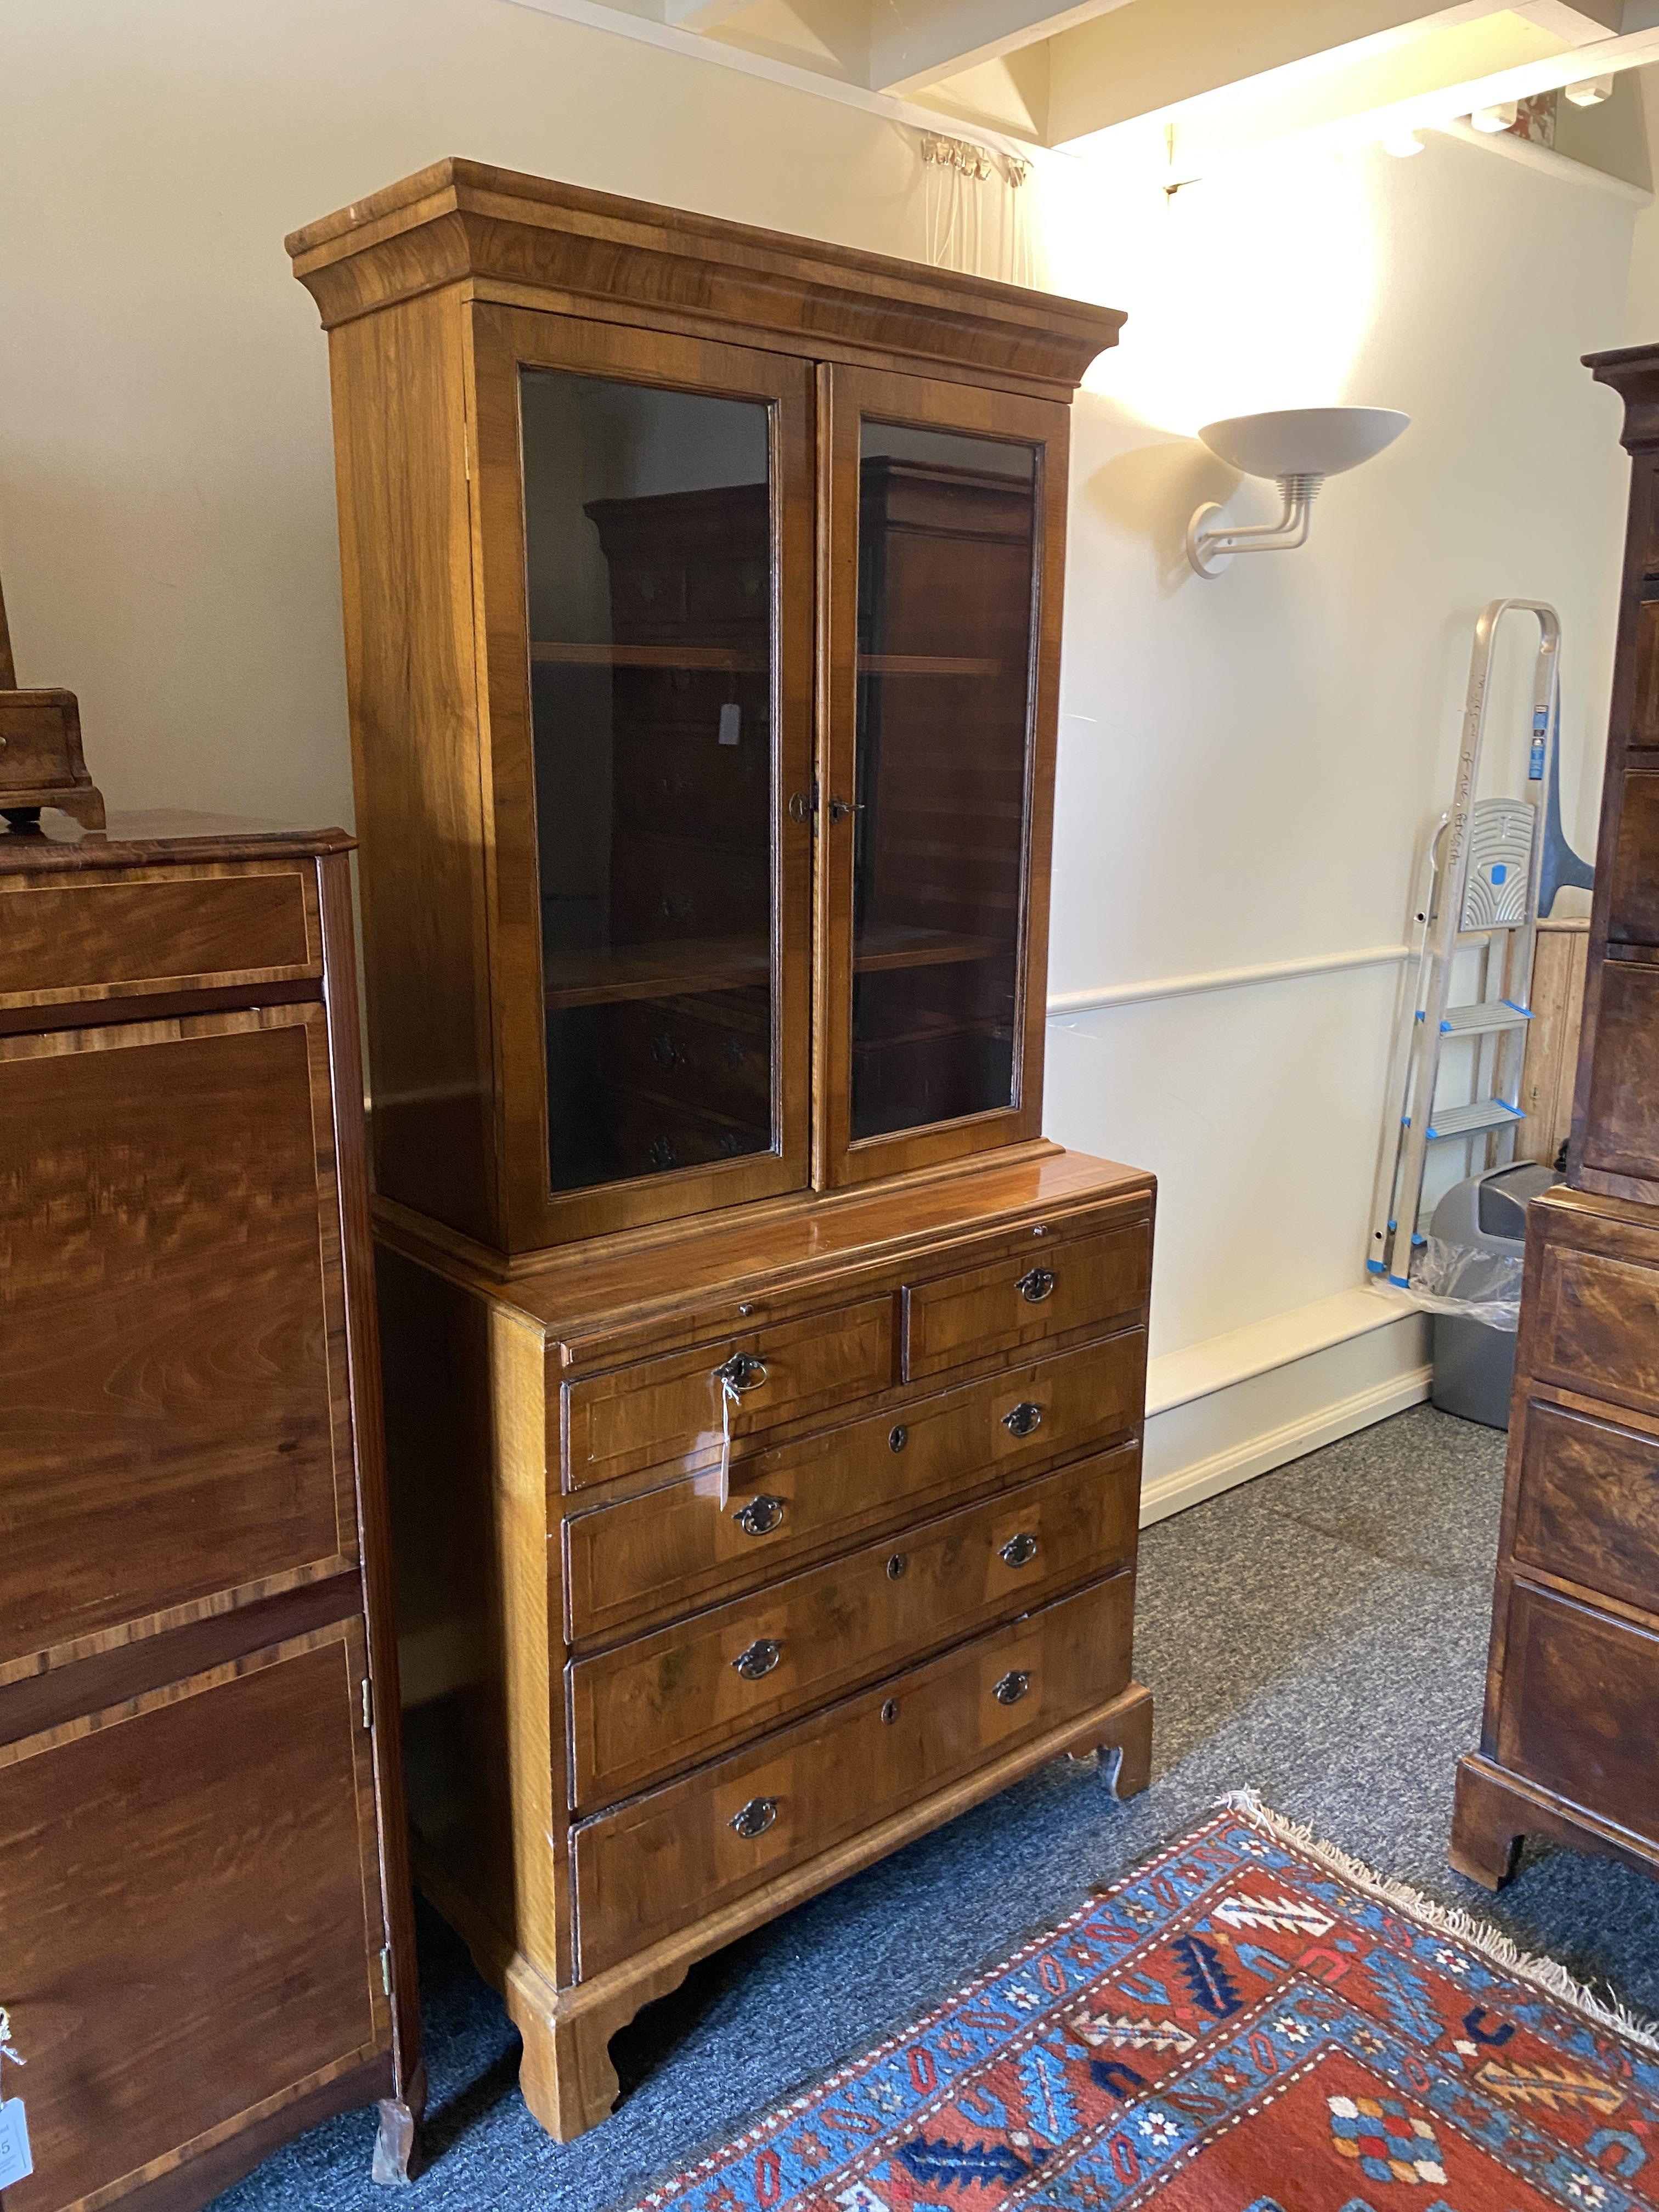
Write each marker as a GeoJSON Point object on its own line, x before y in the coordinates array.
{"type": "Point", "coordinates": [917, 42]}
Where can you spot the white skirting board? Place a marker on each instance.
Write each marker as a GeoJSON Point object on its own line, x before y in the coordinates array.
{"type": "Point", "coordinates": [1222, 1412]}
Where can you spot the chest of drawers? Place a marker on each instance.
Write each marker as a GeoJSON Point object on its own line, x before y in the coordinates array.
{"type": "Point", "coordinates": [729, 1564]}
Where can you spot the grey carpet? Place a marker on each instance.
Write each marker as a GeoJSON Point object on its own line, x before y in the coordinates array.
{"type": "Point", "coordinates": [1319, 1633]}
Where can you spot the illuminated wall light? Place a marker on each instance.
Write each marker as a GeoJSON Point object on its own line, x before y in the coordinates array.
{"type": "Point", "coordinates": [1403, 144]}
{"type": "Point", "coordinates": [1590, 91]}
{"type": "Point", "coordinates": [1494, 119]}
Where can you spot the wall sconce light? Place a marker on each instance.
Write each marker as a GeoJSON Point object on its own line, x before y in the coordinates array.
{"type": "Point", "coordinates": [1403, 144]}
{"type": "Point", "coordinates": [1501, 117]}
{"type": "Point", "coordinates": [1589, 91]}
{"type": "Point", "coordinates": [1299, 447]}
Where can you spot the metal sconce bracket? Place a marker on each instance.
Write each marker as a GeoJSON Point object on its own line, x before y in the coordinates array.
{"type": "Point", "coordinates": [1209, 549]}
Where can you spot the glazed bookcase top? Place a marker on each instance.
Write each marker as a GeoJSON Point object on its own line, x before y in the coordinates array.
{"type": "Point", "coordinates": [529, 241]}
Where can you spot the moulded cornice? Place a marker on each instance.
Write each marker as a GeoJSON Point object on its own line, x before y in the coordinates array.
{"type": "Point", "coordinates": [1634, 374]}
{"type": "Point", "coordinates": [510, 237]}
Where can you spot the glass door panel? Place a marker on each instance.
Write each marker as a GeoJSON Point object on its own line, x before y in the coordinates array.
{"type": "Point", "coordinates": [648, 565]}
{"type": "Point", "coordinates": [947, 537]}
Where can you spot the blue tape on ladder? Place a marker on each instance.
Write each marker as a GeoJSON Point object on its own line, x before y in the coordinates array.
{"type": "Point", "coordinates": [1404, 1281]}
{"type": "Point", "coordinates": [1375, 1267]}
{"type": "Point", "coordinates": [1419, 1240]}
{"type": "Point", "coordinates": [1524, 1011]}
{"type": "Point", "coordinates": [1422, 1014]}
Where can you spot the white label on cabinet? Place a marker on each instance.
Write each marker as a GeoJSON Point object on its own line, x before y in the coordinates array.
{"type": "Point", "coordinates": [15, 2164]}
{"type": "Point", "coordinates": [730, 716]}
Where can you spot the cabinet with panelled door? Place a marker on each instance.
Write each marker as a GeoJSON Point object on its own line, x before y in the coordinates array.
{"type": "Point", "coordinates": [765, 1393]}
{"type": "Point", "coordinates": [1567, 1742]}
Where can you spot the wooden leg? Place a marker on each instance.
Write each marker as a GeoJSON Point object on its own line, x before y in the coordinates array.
{"type": "Point", "coordinates": [566, 2074]}
{"type": "Point", "coordinates": [1135, 1744]}
{"type": "Point", "coordinates": [394, 2144]}
{"type": "Point", "coordinates": [1487, 1833]}
{"type": "Point", "coordinates": [1126, 1753]}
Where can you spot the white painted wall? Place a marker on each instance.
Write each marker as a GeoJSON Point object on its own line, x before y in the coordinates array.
{"type": "Point", "coordinates": [1245, 764]}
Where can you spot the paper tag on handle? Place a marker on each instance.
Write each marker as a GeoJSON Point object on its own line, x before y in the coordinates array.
{"type": "Point", "coordinates": [726, 1397]}
{"type": "Point", "coordinates": [15, 2163]}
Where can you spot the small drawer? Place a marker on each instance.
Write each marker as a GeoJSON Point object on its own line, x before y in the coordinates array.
{"type": "Point", "coordinates": [1580, 1692]}
{"type": "Point", "coordinates": [91, 936]}
{"type": "Point", "coordinates": [669, 1551]}
{"type": "Point", "coordinates": [1594, 1325]}
{"type": "Point", "coordinates": [1587, 1504]}
{"type": "Point", "coordinates": [670, 1858]}
{"type": "Point", "coordinates": [662, 1413]}
{"type": "Point", "coordinates": [1035, 1293]}
{"type": "Point", "coordinates": [665, 1701]}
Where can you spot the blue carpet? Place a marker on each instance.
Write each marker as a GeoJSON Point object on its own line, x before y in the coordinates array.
{"type": "Point", "coordinates": [1319, 1633]}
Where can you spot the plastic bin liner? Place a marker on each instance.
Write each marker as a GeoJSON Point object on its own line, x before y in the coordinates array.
{"type": "Point", "coordinates": [1464, 1280]}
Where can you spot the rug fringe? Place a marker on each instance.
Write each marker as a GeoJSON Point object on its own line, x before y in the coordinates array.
{"type": "Point", "coordinates": [1548, 1975]}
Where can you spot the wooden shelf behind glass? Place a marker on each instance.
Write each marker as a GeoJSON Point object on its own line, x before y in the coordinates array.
{"type": "Point", "coordinates": [677, 968]}
{"type": "Point", "coordinates": [737, 660]}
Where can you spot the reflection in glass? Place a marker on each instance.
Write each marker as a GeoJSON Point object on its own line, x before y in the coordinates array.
{"type": "Point", "coordinates": [946, 536]}
{"type": "Point", "coordinates": [649, 559]}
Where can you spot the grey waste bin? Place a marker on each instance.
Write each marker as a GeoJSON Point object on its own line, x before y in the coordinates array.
{"type": "Point", "coordinates": [1474, 1363]}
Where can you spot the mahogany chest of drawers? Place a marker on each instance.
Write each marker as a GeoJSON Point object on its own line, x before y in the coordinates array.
{"type": "Point", "coordinates": [663, 1681]}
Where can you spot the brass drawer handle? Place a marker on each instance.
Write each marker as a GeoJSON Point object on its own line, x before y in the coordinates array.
{"type": "Point", "coordinates": [759, 1659]}
{"type": "Point", "coordinates": [742, 1371]}
{"type": "Point", "coordinates": [1020, 1550]}
{"type": "Point", "coordinates": [755, 1817]}
{"type": "Point", "coordinates": [1012, 1686]}
{"type": "Point", "coordinates": [897, 1567]}
{"type": "Point", "coordinates": [1035, 1286]}
{"type": "Point", "coordinates": [760, 1515]}
{"type": "Point", "coordinates": [1024, 1420]}
{"type": "Point", "coordinates": [897, 1437]}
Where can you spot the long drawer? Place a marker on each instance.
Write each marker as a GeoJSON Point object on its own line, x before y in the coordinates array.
{"type": "Point", "coordinates": [1581, 1688]}
{"type": "Point", "coordinates": [667, 1552]}
{"type": "Point", "coordinates": [664, 1861]}
{"type": "Point", "coordinates": [659, 1411]}
{"type": "Point", "coordinates": [661, 1703]}
{"type": "Point", "coordinates": [1586, 1503]}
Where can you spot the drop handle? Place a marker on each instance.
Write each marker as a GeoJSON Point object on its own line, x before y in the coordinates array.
{"type": "Point", "coordinates": [742, 1371]}
{"type": "Point", "coordinates": [1012, 1686]}
{"type": "Point", "coordinates": [758, 1659]}
{"type": "Point", "coordinates": [1024, 1420]}
{"type": "Point", "coordinates": [1020, 1550]}
{"type": "Point", "coordinates": [755, 1818]}
{"type": "Point", "coordinates": [760, 1515]}
{"type": "Point", "coordinates": [1036, 1285]}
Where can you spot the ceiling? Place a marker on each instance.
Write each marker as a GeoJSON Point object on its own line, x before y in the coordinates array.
{"type": "Point", "coordinates": [1205, 75]}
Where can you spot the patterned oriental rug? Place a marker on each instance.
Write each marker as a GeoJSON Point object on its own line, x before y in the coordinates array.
{"type": "Point", "coordinates": [1249, 2022]}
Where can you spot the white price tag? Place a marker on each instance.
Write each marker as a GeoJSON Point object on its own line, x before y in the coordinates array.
{"type": "Point", "coordinates": [731, 722]}
{"type": "Point", "coordinates": [15, 2164]}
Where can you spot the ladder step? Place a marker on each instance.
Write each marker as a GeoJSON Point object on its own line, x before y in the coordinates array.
{"type": "Point", "coordinates": [1483, 1018]}
{"type": "Point", "coordinates": [1467, 1121]}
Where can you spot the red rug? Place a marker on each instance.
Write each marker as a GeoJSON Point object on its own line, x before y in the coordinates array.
{"type": "Point", "coordinates": [1249, 2022]}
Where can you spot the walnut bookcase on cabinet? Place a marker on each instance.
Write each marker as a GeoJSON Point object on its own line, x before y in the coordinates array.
{"type": "Point", "coordinates": [702, 614]}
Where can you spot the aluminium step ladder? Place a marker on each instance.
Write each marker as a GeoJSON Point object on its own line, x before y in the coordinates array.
{"type": "Point", "coordinates": [1479, 889]}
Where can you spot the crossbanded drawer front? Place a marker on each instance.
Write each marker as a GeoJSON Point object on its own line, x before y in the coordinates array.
{"type": "Point", "coordinates": [672, 1550]}
{"type": "Point", "coordinates": [1595, 1323]}
{"type": "Point", "coordinates": [662, 1413]}
{"type": "Point", "coordinates": [1037, 1293]}
{"type": "Point", "coordinates": [163, 930]}
{"type": "Point", "coordinates": [663, 1702]}
{"type": "Point", "coordinates": [658, 1864]}
{"type": "Point", "coordinates": [1587, 1505]}
{"type": "Point", "coordinates": [1581, 1689]}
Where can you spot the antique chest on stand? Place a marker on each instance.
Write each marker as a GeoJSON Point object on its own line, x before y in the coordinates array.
{"type": "Point", "coordinates": [1568, 1747]}
{"type": "Point", "coordinates": [205, 1915]}
{"type": "Point", "coordinates": [764, 1394]}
